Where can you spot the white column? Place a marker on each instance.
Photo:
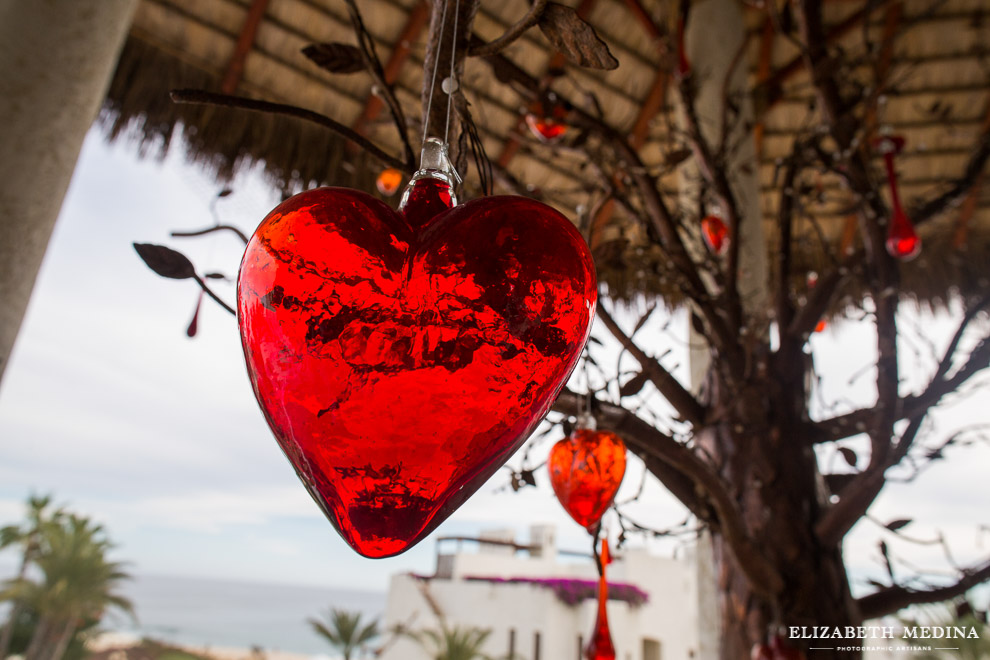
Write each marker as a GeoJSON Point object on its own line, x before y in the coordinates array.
{"type": "Point", "coordinates": [56, 59]}
{"type": "Point", "coordinates": [715, 31]}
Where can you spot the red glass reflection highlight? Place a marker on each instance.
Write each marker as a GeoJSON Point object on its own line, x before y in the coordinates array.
{"type": "Point", "coordinates": [586, 470]}
{"type": "Point", "coordinates": [399, 359]}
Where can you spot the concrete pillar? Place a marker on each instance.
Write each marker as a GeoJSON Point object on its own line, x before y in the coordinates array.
{"type": "Point", "coordinates": [715, 30]}
{"type": "Point", "coordinates": [56, 59]}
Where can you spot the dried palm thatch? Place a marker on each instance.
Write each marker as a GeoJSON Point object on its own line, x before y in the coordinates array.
{"type": "Point", "coordinates": [937, 96]}
{"type": "Point", "coordinates": [294, 153]}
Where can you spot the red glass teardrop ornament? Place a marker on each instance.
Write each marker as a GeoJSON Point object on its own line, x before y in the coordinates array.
{"type": "Point", "coordinates": [716, 233]}
{"type": "Point", "coordinates": [545, 129]}
{"type": "Point", "coordinates": [784, 651]}
{"type": "Point", "coordinates": [821, 325]}
{"type": "Point", "coordinates": [600, 646]}
{"type": "Point", "coordinates": [194, 323]}
{"type": "Point", "coordinates": [401, 358]}
{"type": "Point", "coordinates": [902, 240]}
{"type": "Point", "coordinates": [761, 652]}
{"type": "Point", "coordinates": [683, 63]}
{"type": "Point", "coordinates": [586, 470]}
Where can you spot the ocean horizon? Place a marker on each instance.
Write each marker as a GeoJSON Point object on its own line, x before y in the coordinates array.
{"type": "Point", "coordinates": [228, 613]}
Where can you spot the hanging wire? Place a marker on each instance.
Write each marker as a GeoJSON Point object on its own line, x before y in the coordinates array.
{"type": "Point", "coordinates": [433, 81]}
{"type": "Point", "coordinates": [452, 85]}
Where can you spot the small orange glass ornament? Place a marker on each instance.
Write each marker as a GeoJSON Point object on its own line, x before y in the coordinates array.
{"type": "Point", "coordinates": [821, 325]}
{"type": "Point", "coordinates": [548, 127]}
{"type": "Point", "coordinates": [716, 233]}
{"type": "Point", "coordinates": [586, 470]}
{"type": "Point", "coordinates": [388, 181]}
{"type": "Point", "coordinates": [600, 647]}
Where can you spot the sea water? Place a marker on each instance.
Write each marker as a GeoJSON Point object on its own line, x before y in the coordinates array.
{"type": "Point", "coordinates": [224, 613]}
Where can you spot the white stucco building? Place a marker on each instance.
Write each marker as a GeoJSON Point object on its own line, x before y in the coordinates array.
{"type": "Point", "coordinates": [529, 616]}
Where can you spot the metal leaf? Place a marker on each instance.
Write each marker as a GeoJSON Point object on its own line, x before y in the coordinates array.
{"type": "Point", "coordinates": [335, 57]}
{"type": "Point", "coordinates": [575, 38]}
{"type": "Point", "coordinates": [900, 523]}
{"type": "Point", "coordinates": [166, 261]}
{"type": "Point", "coordinates": [634, 385]}
{"type": "Point", "coordinates": [849, 455]}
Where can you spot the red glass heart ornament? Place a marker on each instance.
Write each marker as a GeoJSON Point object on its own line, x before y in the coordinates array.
{"type": "Point", "coordinates": [586, 470]}
{"type": "Point", "coordinates": [545, 129]}
{"type": "Point", "coordinates": [600, 646]}
{"type": "Point", "coordinates": [401, 357]}
{"type": "Point", "coordinates": [716, 233]}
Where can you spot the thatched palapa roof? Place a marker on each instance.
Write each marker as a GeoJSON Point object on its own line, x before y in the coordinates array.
{"type": "Point", "coordinates": [938, 98]}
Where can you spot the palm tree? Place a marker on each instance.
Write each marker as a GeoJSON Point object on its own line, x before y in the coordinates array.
{"type": "Point", "coordinates": [457, 643]}
{"type": "Point", "coordinates": [966, 648]}
{"type": "Point", "coordinates": [28, 535]}
{"type": "Point", "coordinates": [344, 631]}
{"type": "Point", "coordinates": [76, 584]}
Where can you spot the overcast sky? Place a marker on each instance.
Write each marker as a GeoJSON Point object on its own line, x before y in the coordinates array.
{"type": "Point", "coordinates": [107, 405]}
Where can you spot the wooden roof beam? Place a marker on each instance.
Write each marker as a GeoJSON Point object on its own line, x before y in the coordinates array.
{"type": "Point", "coordinates": [245, 42]}
{"type": "Point", "coordinates": [970, 203]}
{"type": "Point", "coordinates": [419, 16]}
{"type": "Point", "coordinates": [775, 83]}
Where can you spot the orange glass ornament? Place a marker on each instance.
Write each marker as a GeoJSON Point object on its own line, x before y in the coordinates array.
{"type": "Point", "coordinates": [388, 181]}
{"type": "Point", "coordinates": [821, 325]}
{"type": "Point", "coordinates": [600, 646]}
{"type": "Point", "coordinates": [716, 233]}
{"type": "Point", "coordinates": [586, 470]}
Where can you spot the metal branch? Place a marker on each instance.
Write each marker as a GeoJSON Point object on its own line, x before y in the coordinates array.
{"type": "Point", "coordinates": [374, 66]}
{"type": "Point", "coordinates": [662, 220]}
{"type": "Point", "coordinates": [691, 480]}
{"type": "Point", "coordinates": [954, 195]}
{"type": "Point", "coordinates": [854, 422]}
{"type": "Point", "coordinates": [208, 291]}
{"type": "Point", "coordinates": [209, 230]}
{"type": "Point", "coordinates": [897, 597]}
{"type": "Point", "coordinates": [675, 393]}
{"type": "Point", "coordinates": [785, 225]}
{"type": "Point", "coordinates": [201, 97]}
{"type": "Point", "coordinates": [716, 176]}
{"type": "Point", "coordinates": [510, 35]}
